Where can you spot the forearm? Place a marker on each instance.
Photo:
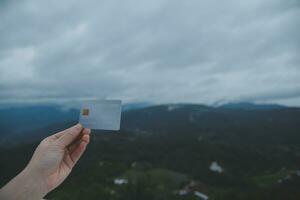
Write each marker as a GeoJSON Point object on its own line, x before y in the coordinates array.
{"type": "Point", "coordinates": [26, 185]}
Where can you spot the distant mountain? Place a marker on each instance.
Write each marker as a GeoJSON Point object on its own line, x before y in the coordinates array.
{"type": "Point", "coordinates": [251, 106]}
{"type": "Point", "coordinates": [231, 123]}
{"type": "Point", "coordinates": [20, 118]}
{"type": "Point", "coordinates": [237, 125]}
{"type": "Point", "coordinates": [15, 122]}
{"type": "Point", "coordinates": [21, 123]}
{"type": "Point", "coordinates": [134, 106]}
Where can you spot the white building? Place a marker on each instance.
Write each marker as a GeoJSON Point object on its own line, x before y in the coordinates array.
{"type": "Point", "coordinates": [201, 195]}
{"type": "Point", "coordinates": [215, 167]}
{"type": "Point", "coordinates": [120, 181]}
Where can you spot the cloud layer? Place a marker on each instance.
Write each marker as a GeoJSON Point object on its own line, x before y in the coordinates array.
{"type": "Point", "coordinates": [156, 51]}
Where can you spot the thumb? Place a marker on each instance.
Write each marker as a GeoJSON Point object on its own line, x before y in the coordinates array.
{"type": "Point", "coordinates": [69, 135]}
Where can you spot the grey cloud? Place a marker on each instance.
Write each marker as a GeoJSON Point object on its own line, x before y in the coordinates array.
{"type": "Point", "coordinates": [159, 51]}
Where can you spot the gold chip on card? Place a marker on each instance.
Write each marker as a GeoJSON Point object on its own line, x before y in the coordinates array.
{"type": "Point", "coordinates": [85, 112]}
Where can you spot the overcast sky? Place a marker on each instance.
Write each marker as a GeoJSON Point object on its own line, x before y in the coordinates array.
{"type": "Point", "coordinates": [162, 51]}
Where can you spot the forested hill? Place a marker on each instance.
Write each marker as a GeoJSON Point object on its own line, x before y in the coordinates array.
{"type": "Point", "coordinates": [243, 125]}
{"type": "Point", "coordinates": [169, 152]}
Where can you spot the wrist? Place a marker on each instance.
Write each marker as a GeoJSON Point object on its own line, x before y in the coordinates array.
{"type": "Point", "coordinates": [33, 183]}
{"type": "Point", "coordinates": [36, 178]}
{"type": "Point", "coordinates": [26, 185]}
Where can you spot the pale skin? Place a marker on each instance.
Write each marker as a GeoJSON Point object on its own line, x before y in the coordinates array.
{"type": "Point", "coordinates": [49, 166]}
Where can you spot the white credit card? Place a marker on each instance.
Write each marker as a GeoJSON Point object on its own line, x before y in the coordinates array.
{"type": "Point", "coordinates": [101, 114]}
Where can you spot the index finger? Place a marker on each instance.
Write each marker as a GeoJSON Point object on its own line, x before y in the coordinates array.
{"type": "Point", "coordinates": [69, 135]}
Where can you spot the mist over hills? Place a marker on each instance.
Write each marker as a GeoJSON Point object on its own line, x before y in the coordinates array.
{"type": "Point", "coordinates": [251, 106]}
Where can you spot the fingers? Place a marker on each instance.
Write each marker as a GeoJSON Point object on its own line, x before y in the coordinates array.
{"type": "Point", "coordinates": [86, 131]}
{"type": "Point", "coordinates": [59, 134]}
{"type": "Point", "coordinates": [80, 148]}
{"type": "Point", "coordinates": [67, 136]}
{"type": "Point", "coordinates": [74, 150]}
{"type": "Point", "coordinates": [56, 136]}
{"type": "Point", "coordinates": [77, 141]}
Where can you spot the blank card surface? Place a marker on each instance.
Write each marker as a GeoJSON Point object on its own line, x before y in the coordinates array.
{"type": "Point", "coordinates": [101, 114]}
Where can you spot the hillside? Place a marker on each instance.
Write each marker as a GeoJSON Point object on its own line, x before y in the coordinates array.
{"type": "Point", "coordinates": [225, 153]}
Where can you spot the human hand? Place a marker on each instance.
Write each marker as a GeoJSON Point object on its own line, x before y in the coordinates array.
{"type": "Point", "coordinates": [49, 166]}
{"type": "Point", "coordinates": [57, 154]}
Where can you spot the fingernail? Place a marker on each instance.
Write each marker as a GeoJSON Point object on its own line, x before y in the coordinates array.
{"type": "Point", "coordinates": [88, 139]}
